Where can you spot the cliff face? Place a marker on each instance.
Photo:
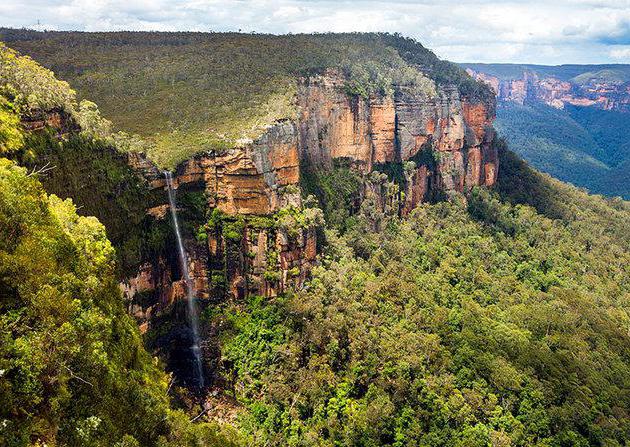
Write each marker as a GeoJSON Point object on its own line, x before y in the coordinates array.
{"type": "Point", "coordinates": [440, 141]}
{"type": "Point", "coordinates": [605, 95]}
{"type": "Point", "coordinates": [249, 186]}
{"type": "Point", "coordinates": [447, 137]}
{"type": "Point", "coordinates": [252, 234]}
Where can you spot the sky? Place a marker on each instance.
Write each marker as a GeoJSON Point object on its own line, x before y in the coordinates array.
{"type": "Point", "coordinates": [536, 31]}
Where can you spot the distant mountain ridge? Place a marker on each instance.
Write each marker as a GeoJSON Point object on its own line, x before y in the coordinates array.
{"type": "Point", "coordinates": [605, 87]}
{"type": "Point", "coordinates": [564, 72]}
{"type": "Point", "coordinates": [570, 121]}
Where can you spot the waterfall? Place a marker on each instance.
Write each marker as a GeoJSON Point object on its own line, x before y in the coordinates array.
{"type": "Point", "coordinates": [193, 316]}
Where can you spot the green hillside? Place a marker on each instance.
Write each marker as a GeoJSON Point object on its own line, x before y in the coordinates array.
{"type": "Point", "coordinates": [73, 367]}
{"type": "Point", "coordinates": [585, 146]}
{"type": "Point", "coordinates": [188, 92]}
{"type": "Point", "coordinates": [503, 322]}
{"type": "Point", "coordinates": [497, 319]}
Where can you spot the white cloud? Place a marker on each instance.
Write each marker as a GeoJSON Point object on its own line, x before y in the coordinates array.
{"type": "Point", "coordinates": [536, 31]}
{"type": "Point", "coordinates": [621, 54]}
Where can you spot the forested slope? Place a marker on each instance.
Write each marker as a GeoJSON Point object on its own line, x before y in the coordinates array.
{"type": "Point", "coordinates": [497, 318]}
{"type": "Point", "coordinates": [582, 145]}
{"type": "Point", "coordinates": [188, 92]}
{"type": "Point", "coordinates": [503, 321]}
{"type": "Point", "coordinates": [73, 368]}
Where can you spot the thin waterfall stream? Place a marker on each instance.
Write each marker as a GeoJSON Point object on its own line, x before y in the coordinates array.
{"type": "Point", "coordinates": [193, 315]}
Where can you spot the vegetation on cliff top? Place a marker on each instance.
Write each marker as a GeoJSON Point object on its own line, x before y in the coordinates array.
{"type": "Point", "coordinates": [498, 321]}
{"type": "Point", "coordinates": [87, 166]}
{"type": "Point", "coordinates": [32, 86]}
{"type": "Point", "coordinates": [188, 92]}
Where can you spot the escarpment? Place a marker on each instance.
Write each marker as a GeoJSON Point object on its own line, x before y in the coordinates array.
{"type": "Point", "coordinates": [448, 138]}
{"type": "Point", "coordinates": [440, 142]}
{"type": "Point", "coordinates": [529, 87]}
{"type": "Point", "coordinates": [258, 239]}
{"type": "Point", "coordinates": [247, 227]}
{"type": "Point", "coordinates": [252, 234]}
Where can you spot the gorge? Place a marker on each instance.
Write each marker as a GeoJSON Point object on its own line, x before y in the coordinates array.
{"type": "Point", "coordinates": [315, 240]}
{"type": "Point", "coordinates": [569, 120]}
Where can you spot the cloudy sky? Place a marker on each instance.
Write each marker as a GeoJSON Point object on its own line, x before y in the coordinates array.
{"type": "Point", "coordinates": [535, 31]}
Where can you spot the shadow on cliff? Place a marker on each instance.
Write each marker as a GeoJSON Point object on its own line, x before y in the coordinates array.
{"type": "Point", "coordinates": [171, 338]}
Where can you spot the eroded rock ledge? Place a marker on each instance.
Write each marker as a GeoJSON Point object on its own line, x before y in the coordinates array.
{"type": "Point", "coordinates": [246, 229]}
{"type": "Point", "coordinates": [449, 139]}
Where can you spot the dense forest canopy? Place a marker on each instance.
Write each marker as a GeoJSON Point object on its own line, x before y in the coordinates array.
{"type": "Point", "coordinates": [73, 368]}
{"type": "Point", "coordinates": [186, 92]}
{"type": "Point", "coordinates": [491, 323]}
{"type": "Point", "coordinates": [497, 319]}
{"type": "Point", "coordinates": [582, 145]}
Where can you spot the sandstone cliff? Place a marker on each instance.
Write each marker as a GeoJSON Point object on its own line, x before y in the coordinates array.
{"type": "Point", "coordinates": [246, 229]}
{"type": "Point", "coordinates": [532, 87]}
{"type": "Point", "coordinates": [447, 137]}
{"type": "Point", "coordinates": [443, 141]}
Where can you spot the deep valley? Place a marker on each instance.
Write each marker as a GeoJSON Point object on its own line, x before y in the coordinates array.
{"type": "Point", "coordinates": [228, 239]}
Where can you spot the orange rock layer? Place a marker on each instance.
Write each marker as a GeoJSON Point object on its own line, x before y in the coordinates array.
{"type": "Point", "coordinates": [554, 92]}
{"type": "Point", "coordinates": [408, 127]}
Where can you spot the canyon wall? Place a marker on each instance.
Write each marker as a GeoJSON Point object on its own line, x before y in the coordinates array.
{"type": "Point", "coordinates": [259, 238]}
{"type": "Point", "coordinates": [441, 141]}
{"type": "Point", "coordinates": [531, 87]}
{"type": "Point", "coordinates": [448, 138]}
{"type": "Point", "coordinates": [245, 226]}
{"type": "Point", "coordinates": [249, 192]}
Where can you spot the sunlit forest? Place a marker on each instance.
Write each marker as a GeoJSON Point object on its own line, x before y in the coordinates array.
{"type": "Point", "coordinates": [496, 318]}
{"type": "Point", "coordinates": [201, 91]}
{"type": "Point", "coordinates": [499, 322]}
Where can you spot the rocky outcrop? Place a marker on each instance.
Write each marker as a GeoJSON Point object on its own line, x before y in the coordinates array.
{"type": "Point", "coordinates": [449, 138]}
{"type": "Point", "coordinates": [57, 120]}
{"type": "Point", "coordinates": [250, 180]}
{"type": "Point", "coordinates": [158, 284]}
{"type": "Point", "coordinates": [266, 261]}
{"type": "Point", "coordinates": [531, 87]}
{"type": "Point", "coordinates": [442, 141]}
